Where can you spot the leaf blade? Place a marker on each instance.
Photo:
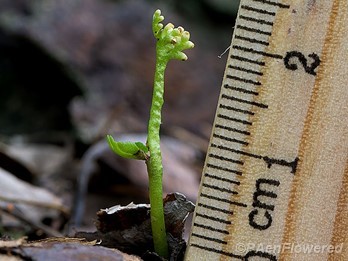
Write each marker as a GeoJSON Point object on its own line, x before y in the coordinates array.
{"type": "Point", "coordinates": [127, 149]}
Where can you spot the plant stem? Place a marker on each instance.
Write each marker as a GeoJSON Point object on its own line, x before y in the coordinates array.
{"type": "Point", "coordinates": [154, 163]}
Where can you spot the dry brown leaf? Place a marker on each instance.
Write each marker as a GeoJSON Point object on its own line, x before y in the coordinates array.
{"type": "Point", "coordinates": [28, 198]}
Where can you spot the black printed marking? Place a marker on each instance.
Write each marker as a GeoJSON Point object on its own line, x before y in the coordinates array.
{"type": "Point", "coordinates": [225, 117]}
{"type": "Point", "coordinates": [251, 40]}
{"type": "Point", "coordinates": [223, 200]}
{"type": "Point", "coordinates": [238, 68]}
{"type": "Point", "coordinates": [261, 105]}
{"type": "Point", "coordinates": [260, 11]}
{"type": "Point", "coordinates": [250, 50]}
{"type": "Point", "coordinates": [243, 80]}
{"type": "Point", "coordinates": [265, 193]}
{"type": "Point", "coordinates": [230, 108]}
{"type": "Point", "coordinates": [260, 217]}
{"type": "Point", "coordinates": [217, 251]}
{"type": "Point", "coordinates": [242, 90]}
{"type": "Point", "coordinates": [219, 189]}
{"type": "Point", "coordinates": [232, 129]}
{"type": "Point", "coordinates": [213, 239]}
{"type": "Point", "coordinates": [222, 179]}
{"type": "Point", "coordinates": [229, 139]}
{"type": "Point", "coordinates": [273, 3]}
{"type": "Point", "coordinates": [310, 69]}
{"type": "Point", "coordinates": [222, 231]}
{"type": "Point", "coordinates": [236, 151]}
{"type": "Point", "coordinates": [215, 209]}
{"type": "Point", "coordinates": [253, 30]}
{"type": "Point", "coordinates": [243, 59]}
{"type": "Point", "coordinates": [291, 164]}
{"type": "Point", "coordinates": [259, 21]}
{"type": "Point", "coordinates": [219, 220]}
{"type": "Point", "coordinates": [225, 159]}
{"type": "Point", "coordinates": [253, 221]}
{"type": "Point", "coordinates": [224, 169]}
{"type": "Point", "coordinates": [269, 161]}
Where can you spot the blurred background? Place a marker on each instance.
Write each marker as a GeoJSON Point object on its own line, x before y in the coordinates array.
{"type": "Point", "coordinates": [72, 71]}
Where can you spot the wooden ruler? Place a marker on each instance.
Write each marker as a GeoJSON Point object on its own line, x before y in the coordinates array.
{"type": "Point", "coordinates": [275, 180]}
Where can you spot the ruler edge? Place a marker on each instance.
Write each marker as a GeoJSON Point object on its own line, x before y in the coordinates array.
{"type": "Point", "coordinates": [213, 129]}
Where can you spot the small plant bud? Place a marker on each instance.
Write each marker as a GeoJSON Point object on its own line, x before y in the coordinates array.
{"type": "Point", "coordinates": [171, 41]}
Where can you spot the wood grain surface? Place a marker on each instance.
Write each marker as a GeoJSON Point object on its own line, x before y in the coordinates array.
{"type": "Point", "coordinates": [274, 185]}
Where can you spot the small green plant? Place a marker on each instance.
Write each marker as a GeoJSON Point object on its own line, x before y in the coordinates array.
{"type": "Point", "coordinates": [171, 42]}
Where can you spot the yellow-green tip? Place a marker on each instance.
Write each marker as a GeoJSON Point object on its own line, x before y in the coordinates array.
{"type": "Point", "coordinates": [171, 41]}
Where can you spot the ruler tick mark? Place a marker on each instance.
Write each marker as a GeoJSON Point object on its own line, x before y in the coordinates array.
{"type": "Point", "coordinates": [261, 11]}
{"type": "Point", "coordinates": [280, 5]}
{"type": "Point", "coordinates": [243, 59]}
{"type": "Point", "coordinates": [261, 105]}
{"type": "Point", "coordinates": [217, 251]}
{"type": "Point", "coordinates": [229, 139]}
{"type": "Point", "coordinates": [230, 108]}
{"type": "Point", "coordinates": [259, 21]}
{"type": "Point", "coordinates": [240, 89]}
{"type": "Point", "coordinates": [222, 231]}
{"type": "Point", "coordinates": [236, 151]}
{"type": "Point", "coordinates": [222, 179]}
{"type": "Point", "coordinates": [253, 30]}
{"type": "Point", "coordinates": [226, 159]}
{"type": "Point", "coordinates": [220, 189]}
{"type": "Point", "coordinates": [215, 208]}
{"type": "Point", "coordinates": [210, 238]}
{"type": "Point", "coordinates": [232, 129]}
{"type": "Point", "coordinates": [251, 40]}
{"type": "Point", "coordinates": [250, 50]}
{"type": "Point", "coordinates": [238, 68]}
{"type": "Point", "coordinates": [224, 169]}
{"type": "Point", "coordinates": [243, 80]}
{"type": "Point", "coordinates": [213, 218]}
{"type": "Point", "coordinates": [269, 161]}
{"type": "Point", "coordinates": [223, 200]}
{"type": "Point", "coordinates": [225, 117]}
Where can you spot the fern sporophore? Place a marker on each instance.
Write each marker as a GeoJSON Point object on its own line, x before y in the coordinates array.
{"type": "Point", "coordinates": [171, 42]}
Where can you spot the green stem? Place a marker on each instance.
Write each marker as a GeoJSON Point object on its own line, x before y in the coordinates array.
{"type": "Point", "coordinates": [154, 163]}
{"type": "Point", "coordinates": [171, 42]}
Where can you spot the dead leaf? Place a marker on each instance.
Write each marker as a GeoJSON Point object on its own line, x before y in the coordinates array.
{"type": "Point", "coordinates": [29, 199]}
{"type": "Point", "coordinates": [58, 249]}
{"type": "Point", "coordinates": [128, 228]}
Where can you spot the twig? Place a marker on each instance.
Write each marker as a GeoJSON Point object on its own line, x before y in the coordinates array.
{"type": "Point", "coordinates": [60, 208]}
{"type": "Point", "coordinates": [18, 215]}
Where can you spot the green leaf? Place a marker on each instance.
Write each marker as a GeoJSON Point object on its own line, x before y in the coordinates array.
{"type": "Point", "coordinates": [127, 149]}
{"type": "Point", "coordinates": [142, 147]}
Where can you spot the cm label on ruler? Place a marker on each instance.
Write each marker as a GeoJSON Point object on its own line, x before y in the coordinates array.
{"type": "Point", "coordinates": [274, 184]}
